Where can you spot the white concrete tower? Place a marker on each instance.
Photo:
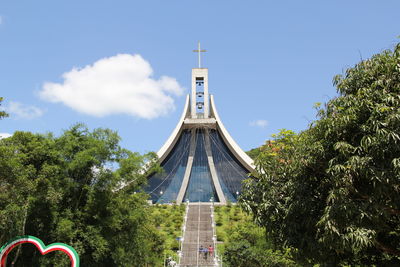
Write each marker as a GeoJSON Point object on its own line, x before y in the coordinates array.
{"type": "Point", "coordinates": [200, 101]}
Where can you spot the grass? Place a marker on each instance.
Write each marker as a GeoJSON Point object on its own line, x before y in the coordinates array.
{"type": "Point", "coordinates": [228, 218]}
{"type": "Point", "coordinates": [168, 220]}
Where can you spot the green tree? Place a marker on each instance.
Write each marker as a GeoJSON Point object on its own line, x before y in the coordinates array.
{"type": "Point", "coordinates": [81, 189]}
{"type": "Point", "coordinates": [3, 114]}
{"type": "Point", "coordinates": [253, 153]}
{"type": "Point", "coordinates": [333, 191]}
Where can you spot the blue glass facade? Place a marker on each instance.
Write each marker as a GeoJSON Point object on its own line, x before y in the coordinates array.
{"type": "Point", "coordinates": [201, 187]}
{"type": "Point", "coordinates": [229, 170]}
{"type": "Point", "coordinates": [164, 187]}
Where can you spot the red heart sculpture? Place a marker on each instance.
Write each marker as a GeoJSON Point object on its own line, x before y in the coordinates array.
{"type": "Point", "coordinates": [70, 251]}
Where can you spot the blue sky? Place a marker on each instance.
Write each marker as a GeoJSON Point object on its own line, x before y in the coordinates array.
{"type": "Point", "coordinates": [269, 62]}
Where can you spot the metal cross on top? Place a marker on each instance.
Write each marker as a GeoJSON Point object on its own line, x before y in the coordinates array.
{"type": "Point", "coordinates": [199, 51]}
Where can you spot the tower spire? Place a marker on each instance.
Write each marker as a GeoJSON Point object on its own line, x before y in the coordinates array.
{"type": "Point", "coordinates": [199, 51]}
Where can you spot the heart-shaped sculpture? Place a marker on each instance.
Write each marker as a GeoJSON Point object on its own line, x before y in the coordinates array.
{"type": "Point", "coordinates": [6, 249]}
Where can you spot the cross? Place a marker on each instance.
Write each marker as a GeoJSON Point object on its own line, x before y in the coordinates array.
{"type": "Point", "coordinates": [199, 51]}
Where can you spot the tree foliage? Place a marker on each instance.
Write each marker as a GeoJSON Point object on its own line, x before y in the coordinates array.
{"type": "Point", "coordinates": [3, 114]}
{"type": "Point", "coordinates": [253, 153]}
{"type": "Point", "coordinates": [65, 189]}
{"type": "Point", "coordinates": [333, 191]}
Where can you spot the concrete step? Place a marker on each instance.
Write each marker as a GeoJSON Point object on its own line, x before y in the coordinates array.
{"type": "Point", "coordinates": [199, 232]}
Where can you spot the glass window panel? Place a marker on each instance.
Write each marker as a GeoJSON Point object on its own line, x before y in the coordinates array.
{"type": "Point", "coordinates": [230, 172]}
{"type": "Point", "coordinates": [164, 187]}
{"type": "Point", "coordinates": [200, 187]}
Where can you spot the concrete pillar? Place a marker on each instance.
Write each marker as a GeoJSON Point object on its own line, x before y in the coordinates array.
{"type": "Point", "coordinates": [200, 75]}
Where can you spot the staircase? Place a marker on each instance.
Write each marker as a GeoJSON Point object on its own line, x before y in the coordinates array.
{"type": "Point", "coordinates": [198, 232]}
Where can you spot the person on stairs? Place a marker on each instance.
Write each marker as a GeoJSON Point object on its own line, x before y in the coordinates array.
{"type": "Point", "coordinates": [201, 250]}
{"type": "Point", "coordinates": [210, 250]}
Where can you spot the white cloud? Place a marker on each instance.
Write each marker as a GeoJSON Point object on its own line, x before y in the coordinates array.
{"type": "Point", "coordinates": [23, 111]}
{"type": "Point", "coordinates": [4, 135]}
{"type": "Point", "coordinates": [1, 20]}
{"type": "Point", "coordinates": [122, 84]}
{"type": "Point", "coordinates": [259, 123]}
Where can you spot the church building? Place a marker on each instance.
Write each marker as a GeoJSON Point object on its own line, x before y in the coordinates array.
{"type": "Point", "coordinates": [201, 161]}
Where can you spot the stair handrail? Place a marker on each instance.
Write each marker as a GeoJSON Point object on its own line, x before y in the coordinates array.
{"type": "Point", "coordinates": [183, 231]}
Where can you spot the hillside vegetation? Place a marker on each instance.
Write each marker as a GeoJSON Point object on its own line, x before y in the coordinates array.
{"type": "Point", "coordinates": [168, 220]}
{"type": "Point", "coordinates": [242, 243]}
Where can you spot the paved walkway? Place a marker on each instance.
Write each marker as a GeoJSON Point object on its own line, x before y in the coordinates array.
{"type": "Point", "coordinates": [199, 232]}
